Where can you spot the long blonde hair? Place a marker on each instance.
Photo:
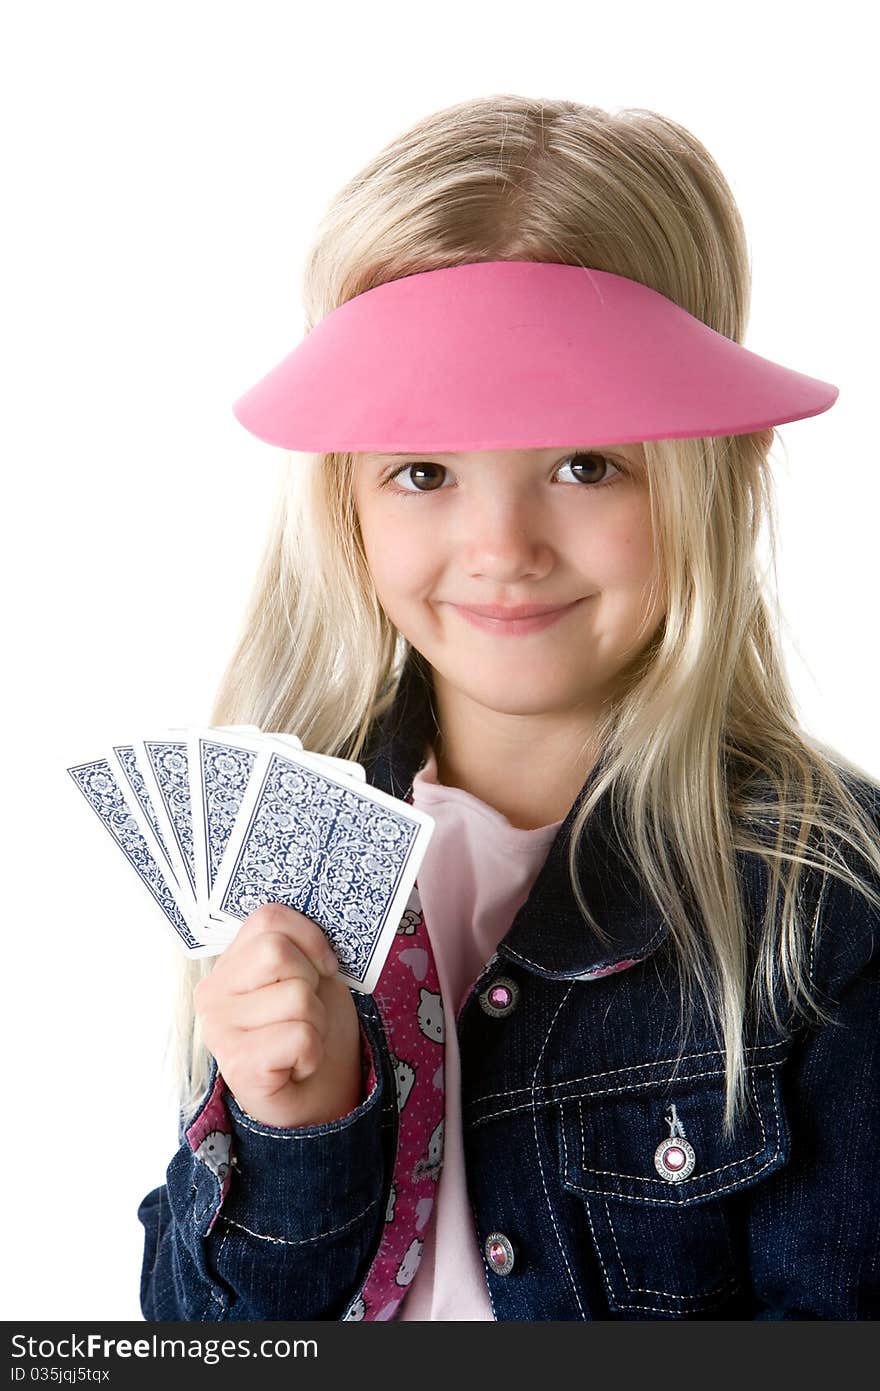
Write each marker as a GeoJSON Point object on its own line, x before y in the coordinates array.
{"type": "Point", "coordinates": [705, 725]}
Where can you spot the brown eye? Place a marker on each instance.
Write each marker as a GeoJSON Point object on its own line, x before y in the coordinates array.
{"type": "Point", "coordinates": [590, 468]}
{"type": "Point", "coordinates": [413, 471]}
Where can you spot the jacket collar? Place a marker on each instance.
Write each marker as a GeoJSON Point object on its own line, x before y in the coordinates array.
{"type": "Point", "coordinates": [549, 935]}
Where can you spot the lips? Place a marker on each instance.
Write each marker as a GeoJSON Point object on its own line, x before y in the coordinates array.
{"type": "Point", "coordinates": [517, 611]}
{"type": "Point", "coordinates": [533, 618]}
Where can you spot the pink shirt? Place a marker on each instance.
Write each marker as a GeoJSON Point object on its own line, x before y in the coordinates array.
{"type": "Point", "coordinates": [477, 872]}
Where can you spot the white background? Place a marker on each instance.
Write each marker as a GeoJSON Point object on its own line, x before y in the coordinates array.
{"type": "Point", "coordinates": [164, 167]}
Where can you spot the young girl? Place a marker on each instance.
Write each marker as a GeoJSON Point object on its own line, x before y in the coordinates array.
{"type": "Point", "coordinates": [622, 1060]}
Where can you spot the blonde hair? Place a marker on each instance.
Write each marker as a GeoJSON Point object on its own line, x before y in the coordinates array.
{"type": "Point", "coordinates": [704, 726]}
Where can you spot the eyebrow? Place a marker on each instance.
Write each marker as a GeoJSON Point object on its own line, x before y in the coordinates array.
{"type": "Point", "coordinates": [412, 452]}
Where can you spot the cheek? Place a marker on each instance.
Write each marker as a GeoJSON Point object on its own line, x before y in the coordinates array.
{"type": "Point", "coordinates": [398, 562]}
{"type": "Point", "coordinates": [621, 554]}
{"type": "Point", "coordinates": [622, 561]}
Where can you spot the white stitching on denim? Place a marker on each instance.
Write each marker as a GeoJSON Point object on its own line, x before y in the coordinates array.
{"type": "Point", "coordinates": [634, 1198]}
{"type": "Point", "coordinates": [565, 1148]}
{"type": "Point", "coordinates": [303, 1241]}
{"type": "Point", "coordinates": [605, 1091]}
{"type": "Point", "coordinates": [302, 1132]}
{"type": "Point", "coordinates": [704, 1194]}
{"type": "Point", "coordinates": [485, 1265]}
{"type": "Point", "coordinates": [218, 1299]}
{"type": "Point", "coordinates": [639, 1289]}
{"type": "Point", "coordinates": [554, 1100]}
{"type": "Point", "coordinates": [664, 1183]}
{"type": "Point", "coordinates": [199, 1217]}
{"type": "Point", "coordinates": [634, 1067]}
{"type": "Point", "coordinates": [598, 1250]}
{"type": "Point", "coordinates": [645, 950]}
{"type": "Point", "coordinates": [819, 905]}
{"type": "Point", "coordinates": [682, 1313]}
{"type": "Point", "coordinates": [559, 1240]}
{"type": "Point", "coordinates": [688, 1182]}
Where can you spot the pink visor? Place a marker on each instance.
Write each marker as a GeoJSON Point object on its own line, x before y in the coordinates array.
{"type": "Point", "coordinates": [517, 355]}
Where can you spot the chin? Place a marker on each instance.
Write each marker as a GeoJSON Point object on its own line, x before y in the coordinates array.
{"type": "Point", "coordinates": [526, 691]}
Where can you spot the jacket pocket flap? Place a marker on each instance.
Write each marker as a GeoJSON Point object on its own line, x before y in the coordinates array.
{"type": "Point", "coordinates": [663, 1142]}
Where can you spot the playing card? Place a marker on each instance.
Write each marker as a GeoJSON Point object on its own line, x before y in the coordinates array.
{"type": "Point", "coordinates": [157, 834]}
{"type": "Point", "coordinates": [342, 852]}
{"type": "Point", "coordinates": [342, 765]}
{"type": "Point", "coordinates": [162, 758]}
{"type": "Point", "coordinates": [165, 762]}
{"type": "Point", "coordinates": [220, 765]}
{"type": "Point", "coordinates": [156, 799]}
{"type": "Point", "coordinates": [125, 769]}
{"type": "Point", "coordinates": [100, 788]}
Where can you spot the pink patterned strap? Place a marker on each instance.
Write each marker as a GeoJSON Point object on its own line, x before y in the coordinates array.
{"type": "Point", "coordinates": [409, 1000]}
{"type": "Point", "coordinates": [210, 1139]}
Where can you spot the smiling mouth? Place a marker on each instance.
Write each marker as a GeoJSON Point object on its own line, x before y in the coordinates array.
{"type": "Point", "coordinates": [514, 611]}
{"type": "Point", "coordinates": [530, 623]}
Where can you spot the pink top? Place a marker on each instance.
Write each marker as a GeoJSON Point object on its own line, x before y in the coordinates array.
{"type": "Point", "coordinates": [477, 872]}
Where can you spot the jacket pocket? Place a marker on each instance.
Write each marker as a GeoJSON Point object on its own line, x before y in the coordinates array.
{"type": "Point", "coordinates": [659, 1182]}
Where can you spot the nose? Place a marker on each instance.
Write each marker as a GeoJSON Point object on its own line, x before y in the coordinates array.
{"type": "Point", "coordinates": [503, 533]}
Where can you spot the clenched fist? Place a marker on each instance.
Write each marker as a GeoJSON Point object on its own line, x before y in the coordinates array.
{"type": "Point", "coordinates": [281, 1021]}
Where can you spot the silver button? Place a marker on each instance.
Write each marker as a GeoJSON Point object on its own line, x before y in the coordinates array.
{"type": "Point", "coordinates": [499, 1253]}
{"type": "Point", "coordinates": [674, 1157]}
{"type": "Point", "coordinates": [500, 997]}
{"type": "Point", "coordinates": [674, 1160]}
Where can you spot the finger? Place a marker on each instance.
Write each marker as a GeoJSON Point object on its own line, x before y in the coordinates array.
{"type": "Point", "coordinates": [268, 1056]}
{"type": "Point", "coordinates": [284, 1001]}
{"type": "Point", "coordinates": [302, 932]}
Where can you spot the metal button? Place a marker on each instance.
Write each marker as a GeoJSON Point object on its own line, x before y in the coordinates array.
{"type": "Point", "coordinates": [500, 997]}
{"type": "Point", "coordinates": [674, 1157]}
{"type": "Point", "coordinates": [499, 1253]}
{"type": "Point", "coordinates": [674, 1160]}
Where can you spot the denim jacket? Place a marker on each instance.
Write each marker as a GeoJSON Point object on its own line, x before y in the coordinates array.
{"type": "Point", "coordinates": [601, 1182]}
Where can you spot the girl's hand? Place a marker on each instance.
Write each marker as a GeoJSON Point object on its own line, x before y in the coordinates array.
{"type": "Point", "coordinates": [281, 1021]}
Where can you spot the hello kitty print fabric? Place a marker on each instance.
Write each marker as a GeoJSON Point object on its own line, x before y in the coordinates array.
{"type": "Point", "coordinates": [408, 997]}
{"type": "Point", "coordinates": [210, 1139]}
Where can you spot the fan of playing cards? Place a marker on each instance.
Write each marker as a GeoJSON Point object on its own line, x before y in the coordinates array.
{"type": "Point", "coordinates": [217, 822]}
